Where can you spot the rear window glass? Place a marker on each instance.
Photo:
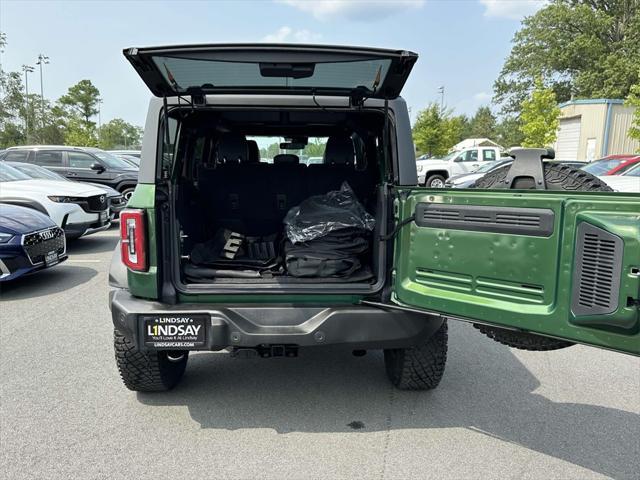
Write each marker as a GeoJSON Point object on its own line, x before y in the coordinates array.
{"type": "Point", "coordinates": [49, 158]}
{"type": "Point", "coordinates": [16, 155]}
{"type": "Point", "coordinates": [183, 73]}
{"type": "Point", "coordinates": [601, 167]}
{"type": "Point", "coordinates": [312, 153]}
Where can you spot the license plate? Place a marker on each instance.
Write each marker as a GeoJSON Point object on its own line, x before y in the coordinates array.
{"type": "Point", "coordinates": [103, 216]}
{"type": "Point", "coordinates": [51, 258]}
{"type": "Point", "coordinates": [175, 331]}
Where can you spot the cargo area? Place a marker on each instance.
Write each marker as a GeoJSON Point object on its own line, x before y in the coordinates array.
{"type": "Point", "coordinates": [307, 211]}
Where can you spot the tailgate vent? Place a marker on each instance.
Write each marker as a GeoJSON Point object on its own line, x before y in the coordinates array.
{"type": "Point", "coordinates": [535, 222]}
{"type": "Point", "coordinates": [596, 279]}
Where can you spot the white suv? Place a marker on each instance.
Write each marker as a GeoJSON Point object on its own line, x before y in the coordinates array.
{"type": "Point", "coordinates": [77, 208]}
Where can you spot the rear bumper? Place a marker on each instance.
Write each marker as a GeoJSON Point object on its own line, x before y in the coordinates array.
{"type": "Point", "coordinates": [355, 326]}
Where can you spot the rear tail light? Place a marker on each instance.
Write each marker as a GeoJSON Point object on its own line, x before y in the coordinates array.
{"type": "Point", "coordinates": [133, 239]}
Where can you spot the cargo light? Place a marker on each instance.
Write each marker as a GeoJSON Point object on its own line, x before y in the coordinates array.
{"type": "Point", "coordinates": [133, 239]}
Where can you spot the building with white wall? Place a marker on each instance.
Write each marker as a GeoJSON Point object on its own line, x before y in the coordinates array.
{"type": "Point", "coordinates": [594, 128]}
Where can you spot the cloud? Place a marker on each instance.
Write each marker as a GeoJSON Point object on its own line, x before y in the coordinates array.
{"type": "Point", "coordinates": [482, 97]}
{"type": "Point", "coordinates": [289, 35]}
{"type": "Point", "coordinates": [511, 9]}
{"type": "Point", "coordinates": [362, 10]}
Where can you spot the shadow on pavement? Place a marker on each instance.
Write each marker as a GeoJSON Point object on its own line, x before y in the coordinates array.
{"type": "Point", "coordinates": [46, 282]}
{"type": "Point", "coordinates": [485, 388]}
{"type": "Point", "coordinates": [92, 244]}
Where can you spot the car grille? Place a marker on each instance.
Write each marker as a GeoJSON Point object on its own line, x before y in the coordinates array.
{"type": "Point", "coordinates": [97, 203]}
{"type": "Point", "coordinates": [38, 244]}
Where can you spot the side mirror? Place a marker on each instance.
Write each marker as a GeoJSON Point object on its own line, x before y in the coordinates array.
{"type": "Point", "coordinates": [97, 167]}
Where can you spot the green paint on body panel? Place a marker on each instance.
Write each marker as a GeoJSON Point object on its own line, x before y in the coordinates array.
{"type": "Point", "coordinates": [518, 280]}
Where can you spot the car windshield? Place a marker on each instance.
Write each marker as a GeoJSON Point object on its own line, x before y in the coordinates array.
{"type": "Point", "coordinates": [488, 167]}
{"type": "Point", "coordinates": [35, 171]}
{"type": "Point", "coordinates": [449, 156]}
{"type": "Point", "coordinates": [634, 172]}
{"type": "Point", "coordinates": [10, 174]}
{"type": "Point", "coordinates": [111, 160]}
{"type": "Point", "coordinates": [601, 167]}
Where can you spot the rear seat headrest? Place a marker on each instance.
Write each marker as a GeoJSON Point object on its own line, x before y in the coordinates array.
{"type": "Point", "coordinates": [253, 152]}
{"type": "Point", "coordinates": [286, 159]}
{"type": "Point", "coordinates": [339, 151]}
{"type": "Point", "coordinates": [232, 148]}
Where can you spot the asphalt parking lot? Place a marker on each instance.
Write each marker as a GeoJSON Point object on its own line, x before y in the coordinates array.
{"type": "Point", "coordinates": [498, 413]}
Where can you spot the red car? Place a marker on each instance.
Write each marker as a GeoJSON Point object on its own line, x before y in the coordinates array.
{"type": "Point", "coordinates": [611, 165]}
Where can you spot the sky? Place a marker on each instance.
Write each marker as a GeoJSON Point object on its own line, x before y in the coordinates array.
{"type": "Point", "coordinates": [462, 43]}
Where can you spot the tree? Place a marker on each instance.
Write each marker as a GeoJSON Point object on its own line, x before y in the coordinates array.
{"type": "Point", "coordinates": [508, 132]}
{"type": "Point", "coordinates": [12, 109]}
{"type": "Point", "coordinates": [633, 100]}
{"type": "Point", "coordinates": [119, 134]}
{"type": "Point", "coordinates": [582, 48]}
{"type": "Point", "coordinates": [82, 99]}
{"type": "Point", "coordinates": [540, 117]}
{"type": "Point", "coordinates": [271, 151]}
{"type": "Point", "coordinates": [483, 124]}
{"type": "Point", "coordinates": [80, 134]}
{"type": "Point", "coordinates": [315, 149]}
{"type": "Point", "coordinates": [436, 130]}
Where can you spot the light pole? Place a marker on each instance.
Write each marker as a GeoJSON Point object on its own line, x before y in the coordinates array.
{"type": "Point", "coordinates": [441, 92]}
{"type": "Point", "coordinates": [99, 113]}
{"type": "Point", "coordinates": [27, 69]}
{"type": "Point", "coordinates": [42, 60]}
{"type": "Point", "coordinates": [3, 42]}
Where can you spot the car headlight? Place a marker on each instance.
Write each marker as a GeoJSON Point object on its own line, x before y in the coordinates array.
{"type": "Point", "coordinates": [60, 199]}
{"type": "Point", "coordinates": [420, 168]}
{"type": "Point", "coordinates": [5, 237]}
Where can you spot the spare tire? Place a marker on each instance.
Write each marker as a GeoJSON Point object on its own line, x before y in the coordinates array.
{"type": "Point", "coordinates": [557, 177]}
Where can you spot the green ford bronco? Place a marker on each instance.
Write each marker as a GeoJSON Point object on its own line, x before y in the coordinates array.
{"type": "Point", "coordinates": [277, 209]}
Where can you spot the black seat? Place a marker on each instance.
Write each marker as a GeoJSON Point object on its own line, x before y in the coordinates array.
{"type": "Point", "coordinates": [337, 166]}
{"type": "Point", "coordinates": [288, 183]}
{"type": "Point", "coordinates": [253, 152]}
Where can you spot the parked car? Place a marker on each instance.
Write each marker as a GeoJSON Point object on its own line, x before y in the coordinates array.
{"type": "Point", "coordinates": [133, 161]}
{"type": "Point", "coordinates": [77, 208]}
{"type": "Point", "coordinates": [29, 241]}
{"type": "Point", "coordinates": [629, 181]}
{"type": "Point", "coordinates": [434, 172]}
{"type": "Point", "coordinates": [130, 153]}
{"type": "Point", "coordinates": [611, 165]}
{"type": "Point", "coordinates": [117, 202]}
{"type": "Point", "coordinates": [206, 261]}
{"type": "Point", "coordinates": [83, 164]}
{"type": "Point", "coordinates": [467, 179]}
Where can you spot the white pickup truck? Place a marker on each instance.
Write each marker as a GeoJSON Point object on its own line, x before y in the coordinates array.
{"type": "Point", "coordinates": [434, 172]}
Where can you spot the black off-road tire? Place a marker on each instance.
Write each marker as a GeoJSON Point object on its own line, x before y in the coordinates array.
{"type": "Point", "coordinates": [147, 372]}
{"type": "Point", "coordinates": [557, 177]}
{"type": "Point", "coordinates": [420, 367]}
